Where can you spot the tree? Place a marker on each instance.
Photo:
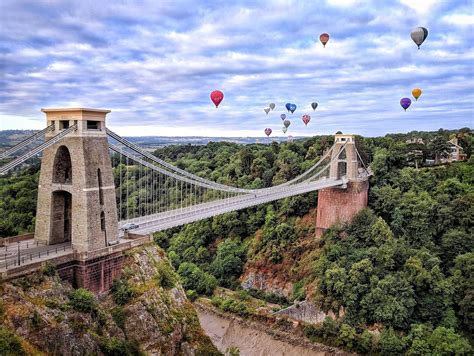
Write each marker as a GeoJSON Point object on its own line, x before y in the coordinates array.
{"type": "Point", "coordinates": [444, 341]}
{"type": "Point", "coordinates": [228, 263]}
{"type": "Point", "coordinates": [412, 219]}
{"type": "Point", "coordinates": [390, 343]}
{"type": "Point", "coordinates": [439, 147]}
{"type": "Point", "coordinates": [462, 279]}
{"type": "Point", "coordinates": [192, 277]}
{"type": "Point", "coordinates": [455, 242]}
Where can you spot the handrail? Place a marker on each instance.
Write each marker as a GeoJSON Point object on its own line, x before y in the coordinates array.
{"type": "Point", "coordinates": [5, 168]}
{"type": "Point", "coordinates": [25, 142]}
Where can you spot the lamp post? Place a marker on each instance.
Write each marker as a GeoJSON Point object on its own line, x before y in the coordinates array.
{"type": "Point", "coordinates": [18, 242]}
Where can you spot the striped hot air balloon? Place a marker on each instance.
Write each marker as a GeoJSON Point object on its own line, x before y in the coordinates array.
{"type": "Point", "coordinates": [418, 35]}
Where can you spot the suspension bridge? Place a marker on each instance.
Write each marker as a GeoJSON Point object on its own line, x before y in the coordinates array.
{"type": "Point", "coordinates": [93, 182]}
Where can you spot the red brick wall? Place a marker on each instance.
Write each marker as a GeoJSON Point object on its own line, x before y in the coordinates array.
{"type": "Point", "coordinates": [337, 205]}
{"type": "Point", "coordinates": [96, 275]}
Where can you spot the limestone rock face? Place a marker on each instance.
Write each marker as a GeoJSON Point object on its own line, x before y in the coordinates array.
{"type": "Point", "coordinates": [267, 281]}
{"type": "Point", "coordinates": [157, 320]}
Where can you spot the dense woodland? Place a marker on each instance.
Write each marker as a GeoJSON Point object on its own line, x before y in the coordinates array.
{"type": "Point", "coordinates": [404, 266]}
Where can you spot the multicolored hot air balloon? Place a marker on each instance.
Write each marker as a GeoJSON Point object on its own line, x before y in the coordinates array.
{"type": "Point", "coordinates": [216, 97]}
{"type": "Point", "coordinates": [314, 105]}
{"type": "Point", "coordinates": [292, 108]}
{"type": "Point", "coordinates": [283, 116]}
{"type": "Point", "coordinates": [287, 106]}
{"type": "Point", "coordinates": [267, 110]}
{"type": "Point", "coordinates": [306, 119]}
{"type": "Point", "coordinates": [416, 93]}
{"type": "Point", "coordinates": [268, 131]}
{"type": "Point", "coordinates": [286, 123]}
{"type": "Point", "coordinates": [418, 35]}
{"type": "Point", "coordinates": [272, 106]}
{"type": "Point", "coordinates": [405, 103]}
{"type": "Point", "coordinates": [284, 129]}
{"type": "Point", "coordinates": [324, 38]}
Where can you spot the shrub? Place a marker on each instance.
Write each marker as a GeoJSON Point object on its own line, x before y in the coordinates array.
{"type": "Point", "coordinates": [330, 329]}
{"type": "Point", "coordinates": [191, 294]}
{"type": "Point", "coordinates": [232, 351]}
{"type": "Point", "coordinates": [192, 277]}
{"type": "Point", "coordinates": [82, 300]}
{"type": "Point", "coordinates": [390, 343]}
{"type": "Point", "coordinates": [165, 276]}
{"type": "Point", "coordinates": [313, 332]}
{"type": "Point", "coordinates": [36, 320]}
{"type": "Point", "coordinates": [346, 337]}
{"type": "Point", "coordinates": [122, 292]}
{"type": "Point", "coordinates": [235, 306]}
{"type": "Point", "coordinates": [445, 341]}
{"type": "Point", "coordinates": [118, 315]}
{"type": "Point", "coordinates": [115, 347]}
{"type": "Point", "coordinates": [48, 269]}
{"type": "Point", "coordinates": [299, 292]}
{"type": "Point", "coordinates": [216, 301]}
{"type": "Point", "coordinates": [10, 344]}
{"type": "Point", "coordinates": [363, 343]}
{"type": "Point", "coordinates": [161, 239]}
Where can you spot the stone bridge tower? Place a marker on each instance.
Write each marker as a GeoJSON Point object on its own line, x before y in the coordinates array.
{"type": "Point", "coordinates": [76, 192]}
{"type": "Point", "coordinates": [340, 205]}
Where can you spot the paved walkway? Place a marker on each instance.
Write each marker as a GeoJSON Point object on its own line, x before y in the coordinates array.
{"type": "Point", "coordinates": [29, 250]}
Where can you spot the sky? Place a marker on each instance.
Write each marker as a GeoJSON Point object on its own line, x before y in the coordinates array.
{"type": "Point", "coordinates": [154, 64]}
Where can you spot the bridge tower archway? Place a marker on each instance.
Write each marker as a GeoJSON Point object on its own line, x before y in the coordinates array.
{"type": "Point", "coordinates": [61, 217]}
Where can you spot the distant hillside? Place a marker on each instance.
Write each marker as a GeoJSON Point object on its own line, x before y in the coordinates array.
{"type": "Point", "coordinates": [11, 137]}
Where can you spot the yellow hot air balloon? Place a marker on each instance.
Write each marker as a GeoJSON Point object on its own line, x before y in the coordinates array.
{"type": "Point", "coordinates": [416, 93]}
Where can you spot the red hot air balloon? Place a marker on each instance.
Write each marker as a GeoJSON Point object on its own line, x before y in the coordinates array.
{"type": "Point", "coordinates": [306, 119]}
{"type": "Point", "coordinates": [324, 38]}
{"type": "Point", "coordinates": [268, 131]}
{"type": "Point", "coordinates": [216, 97]}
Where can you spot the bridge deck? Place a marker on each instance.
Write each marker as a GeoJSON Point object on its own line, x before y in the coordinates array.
{"type": "Point", "coordinates": [162, 221]}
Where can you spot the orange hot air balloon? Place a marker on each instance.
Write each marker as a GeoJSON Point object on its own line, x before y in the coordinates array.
{"type": "Point", "coordinates": [216, 97]}
{"type": "Point", "coordinates": [324, 38]}
{"type": "Point", "coordinates": [416, 93]}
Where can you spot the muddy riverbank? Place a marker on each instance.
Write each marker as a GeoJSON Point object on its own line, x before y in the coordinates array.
{"type": "Point", "coordinates": [254, 339]}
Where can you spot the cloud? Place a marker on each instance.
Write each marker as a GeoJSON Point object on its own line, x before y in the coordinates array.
{"type": "Point", "coordinates": [459, 19]}
{"type": "Point", "coordinates": [155, 63]}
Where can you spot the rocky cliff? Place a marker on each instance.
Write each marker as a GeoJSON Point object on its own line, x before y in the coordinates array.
{"type": "Point", "coordinates": [146, 312]}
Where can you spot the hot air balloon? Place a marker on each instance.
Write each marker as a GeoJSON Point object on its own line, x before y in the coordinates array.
{"type": "Point", "coordinates": [284, 129]}
{"type": "Point", "coordinates": [216, 97]}
{"type": "Point", "coordinates": [314, 105]}
{"type": "Point", "coordinates": [306, 119]}
{"type": "Point", "coordinates": [272, 106]}
{"type": "Point", "coordinates": [290, 138]}
{"type": "Point", "coordinates": [324, 38]}
{"type": "Point", "coordinates": [283, 116]}
{"type": "Point", "coordinates": [405, 103]}
{"type": "Point", "coordinates": [268, 131]}
{"type": "Point", "coordinates": [292, 108]}
{"type": "Point", "coordinates": [267, 110]}
{"type": "Point", "coordinates": [418, 35]}
{"type": "Point", "coordinates": [416, 93]}
{"type": "Point", "coordinates": [286, 123]}
{"type": "Point", "coordinates": [287, 106]}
